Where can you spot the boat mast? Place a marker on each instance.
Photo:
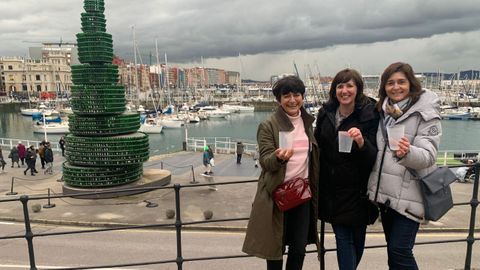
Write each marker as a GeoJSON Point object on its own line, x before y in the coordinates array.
{"type": "Point", "coordinates": [158, 69]}
{"type": "Point", "coordinates": [137, 85]}
{"type": "Point", "coordinates": [168, 81]}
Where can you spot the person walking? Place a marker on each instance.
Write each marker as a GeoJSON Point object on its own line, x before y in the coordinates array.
{"type": "Point", "coordinates": [256, 156]}
{"type": "Point", "coordinates": [343, 180]}
{"type": "Point", "coordinates": [206, 161]}
{"type": "Point", "coordinates": [61, 143]}
{"type": "Point", "coordinates": [211, 158]}
{"type": "Point", "coordinates": [41, 153]}
{"type": "Point", "coordinates": [48, 158]}
{"type": "Point", "coordinates": [31, 159]}
{"type": "Point", "coordinates": [14, 156]}
{"type": "Point", "coordinates": [240, 150]}
{"type": "Point", "coordinates": [2, 161]}
{"type": "Point", "coordinates": [22, 151]}
{"type": "Point", "coordinates": [394, 181]}
{"type": "Point", "coordinates": [269, 229]}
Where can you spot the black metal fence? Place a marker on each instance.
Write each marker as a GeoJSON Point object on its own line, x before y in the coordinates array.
{"type": "Point", "coordinates": [179, 224]}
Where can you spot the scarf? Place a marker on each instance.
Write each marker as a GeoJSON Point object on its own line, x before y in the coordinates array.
{"type": "Point", "coordinates": [393, 111]}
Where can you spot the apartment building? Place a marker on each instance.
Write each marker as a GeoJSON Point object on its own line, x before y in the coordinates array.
{"type": "Point", "coordinates": [43, 75]}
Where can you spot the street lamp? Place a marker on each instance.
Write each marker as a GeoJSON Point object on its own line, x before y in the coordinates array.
{"type": "Point", "coordinates": [44, 124]}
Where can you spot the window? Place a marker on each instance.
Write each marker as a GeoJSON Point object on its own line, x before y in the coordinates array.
{"type": "Point", "coordinates": [37, 78]}
{"type": "Point", "coordinates": [39, 88]}
{"type": "Point", "coordinates": [10, 67]}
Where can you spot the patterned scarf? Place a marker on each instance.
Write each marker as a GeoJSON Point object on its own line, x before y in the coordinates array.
{"type": "Point", "coordinates": [393, 111]}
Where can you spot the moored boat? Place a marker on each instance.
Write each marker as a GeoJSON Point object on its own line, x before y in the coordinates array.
{"type": "Point", "coordinates": [52, 128]}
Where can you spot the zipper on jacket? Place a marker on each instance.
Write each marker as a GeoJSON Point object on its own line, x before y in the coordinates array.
{"type": "Point", "coordinates": [380, 172]}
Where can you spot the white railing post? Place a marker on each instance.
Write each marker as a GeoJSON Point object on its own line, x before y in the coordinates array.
{"type": "Point", "coordinates": [445, 158]}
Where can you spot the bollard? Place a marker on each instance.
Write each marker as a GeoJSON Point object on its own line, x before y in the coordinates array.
{"type": "Point", "coordinates": [49, 205]}
{"type": "Point", "coordinates": [193, 177]}
{"type": "Point", "coordinates": [11, 189]}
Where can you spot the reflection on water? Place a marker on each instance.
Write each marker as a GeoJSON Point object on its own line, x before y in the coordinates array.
{"type": "Point", "coordinates": [457, 135]}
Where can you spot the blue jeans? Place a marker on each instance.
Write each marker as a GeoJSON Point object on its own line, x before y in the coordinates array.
{"type": "Point", "coordinates": [350, 244]}
{"type": "Point", "coordinates": [400, 233]}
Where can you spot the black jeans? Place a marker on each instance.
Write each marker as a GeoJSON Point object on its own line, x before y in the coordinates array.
{"type": "Point", "coordinates": [296, 227]}
{"type": "Point", "coordinates": [239, 158]}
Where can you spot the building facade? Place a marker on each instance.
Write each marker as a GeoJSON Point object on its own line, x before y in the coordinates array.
{"type": "Point", "coordinates": [35, 76]}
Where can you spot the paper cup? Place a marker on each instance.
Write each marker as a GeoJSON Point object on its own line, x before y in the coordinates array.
{"type": "Point", "coordinates": [285, 139]}
{"type": "Point", "coordinates": [395, 133]}
{"type": "Point", "coordinates": [344, 142]}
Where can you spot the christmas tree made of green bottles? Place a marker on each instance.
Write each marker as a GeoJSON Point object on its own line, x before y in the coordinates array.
{"type": "Point", "coordinates": [103, 148]}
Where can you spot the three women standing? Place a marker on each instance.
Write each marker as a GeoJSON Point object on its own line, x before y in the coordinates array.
{"type": "Point", "coordinates": [343, 180]}
{"type": "Point", "coordinates": [394, 183]}
{"type": "Point", "coordinates": [269, 229]}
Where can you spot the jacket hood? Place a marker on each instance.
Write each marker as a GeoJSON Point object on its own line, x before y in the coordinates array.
{"type": "Point", "coordinates": [428, 106]}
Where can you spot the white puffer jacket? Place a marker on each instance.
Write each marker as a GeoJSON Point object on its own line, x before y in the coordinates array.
{"type": "Point", "coordinates": [394, 186]}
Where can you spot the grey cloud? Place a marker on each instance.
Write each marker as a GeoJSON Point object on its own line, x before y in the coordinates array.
{"type": "Point", "coordinates": [190, 29]}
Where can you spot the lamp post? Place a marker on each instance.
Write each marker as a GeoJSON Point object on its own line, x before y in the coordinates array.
{"type": "Point", "coordinates": [44, 124]}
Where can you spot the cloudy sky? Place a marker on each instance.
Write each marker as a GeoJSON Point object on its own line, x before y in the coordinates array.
{"type": "Point", "coordinates": [269, 35]}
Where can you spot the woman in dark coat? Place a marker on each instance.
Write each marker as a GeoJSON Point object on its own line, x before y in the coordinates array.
{"type": "Point", "coordinates": [269, 229]}
{"type": "Point", "coordinates": [14, 156]}
{"type": "Point", "coordinates": [344, 176]}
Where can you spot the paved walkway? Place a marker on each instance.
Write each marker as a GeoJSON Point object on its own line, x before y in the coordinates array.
{"type": "Point", "coordinates": [228, 201]}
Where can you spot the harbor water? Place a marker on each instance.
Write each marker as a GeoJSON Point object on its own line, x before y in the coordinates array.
{"type": "Point", "coordinates": [457, 134]}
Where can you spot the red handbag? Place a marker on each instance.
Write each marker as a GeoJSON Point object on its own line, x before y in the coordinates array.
{"type": "Point", "coordinates": [292, 193]}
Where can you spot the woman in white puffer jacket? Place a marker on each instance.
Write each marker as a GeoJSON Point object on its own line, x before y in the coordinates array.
{"type": "Point", "coordinates": [391, 185]}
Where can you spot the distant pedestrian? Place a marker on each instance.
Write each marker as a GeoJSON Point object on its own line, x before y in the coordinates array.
{"type": "Point", "coordinates": [211, 156]}
{"type": "Point", "coordinates": [14, 156]}
{"type": "Point", "coordinates": [240, 150]}
{"type": "Point", "coordinates": [2, 162]}
{"type": "Point", "coordinates": [256, 156]}
{"type": "Point", "coordinates": [41, 153]}
{"type": "Point", "coordinates": [31, 159]}
{"type": "Point", "coordinates": [61, 142]}
{"type": "Point", "coordinates": [48, 158]}
{"type": "Point", "coordinates": [206, 161]}
{"type": "Point", "coordinates": [22, 151]}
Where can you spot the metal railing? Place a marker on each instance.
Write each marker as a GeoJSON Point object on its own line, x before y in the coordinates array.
{"type": "Point", "coordinates": [227, 145]}
{"type": "Point", "coordinates": [8, 143]}
{"type": "Point", "coordinates": [179, 224]}
{"type": "Point", "coordinates": [223, 145]}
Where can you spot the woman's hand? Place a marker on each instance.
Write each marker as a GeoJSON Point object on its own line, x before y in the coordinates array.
{"type": "Point", "coordinates": [357, 136]}
{"type": "Point", "coordinates": [403, 147]}
{"type": "Point", "coordinates": [284, 154]}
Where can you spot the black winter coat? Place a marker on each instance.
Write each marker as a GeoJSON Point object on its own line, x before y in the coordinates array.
{"type": "Point", "coordinates": [48, 154]}
{"type": "Point", "coordinates": [344, 176]}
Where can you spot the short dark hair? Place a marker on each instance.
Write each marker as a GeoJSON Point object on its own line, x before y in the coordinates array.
{"type": "Point", "coordinates": [344, 76]}
{"type": "Point", "coordinates": [407, 70]}
{"type": "Point", "coordinates": [286, 85]}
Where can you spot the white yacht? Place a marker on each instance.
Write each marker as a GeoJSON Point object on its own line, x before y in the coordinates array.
{"type": "Point", "coordinates": [151, 126]}
{"type": "Point", "coordinates": [51, 128]}
{"type": "Point", "coordinates": [213, 112]}
{"type": "Point", "coordinates": [237, 108]}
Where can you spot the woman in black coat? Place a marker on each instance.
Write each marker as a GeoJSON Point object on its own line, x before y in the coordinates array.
{"type": "Point", "coordinates": [344, 176]}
